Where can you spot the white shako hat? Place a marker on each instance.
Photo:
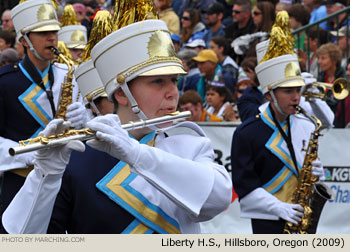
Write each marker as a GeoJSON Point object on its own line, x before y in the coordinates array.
{"type": "Point", "coordinates": [74, 36]}
{"type": "Point", "coordinates": [34, 16]}
{"type": "Point", "coordinates": [140, 49]}
{"type": "Point", "coordinates": [261, 49]}
{"type": "Point", "coordinates": [89, 82]}
{"type": "Point", "coordinates": [282, 71]}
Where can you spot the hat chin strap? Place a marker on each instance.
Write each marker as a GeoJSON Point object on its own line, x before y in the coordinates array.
{"type": "Point", "coordinates": [32, 48]}
{"type": "Point", "coordinates": [92, 104]}
{"type": "Point", "coordinates": [134, 106]}
{"type": "Point", "coordinates": [276, 103]}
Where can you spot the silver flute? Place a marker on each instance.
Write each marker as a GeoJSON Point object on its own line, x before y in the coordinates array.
{"type": "Point", "coordinates": [43, 142]}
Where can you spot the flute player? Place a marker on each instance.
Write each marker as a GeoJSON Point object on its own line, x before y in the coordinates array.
{"type": "Point", "coordinates": [147, 181]}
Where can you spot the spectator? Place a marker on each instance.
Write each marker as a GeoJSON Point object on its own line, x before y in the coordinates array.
{"type": "Point", "coordinates": [80, 11]}
{"type": "Point", "coordinates": [314, 38]}
{"type": "Point", "coordinates": [211, 71]}
{"type": "Point", "coordinates": [191, 101]}
{"type": "Point", "coordinates": [220, 45]}
{"type": "Point", "coordinates": [299, 16]}
{"type": "Point", "coordinates": [248, 65]}
{"type": "Point", "coordinates": [192, 26]}
{"type": "Point", "coordinates": [19, 49]}
{"type": "Point", "coordinates": [200, 5]}
{"type": "Point", "coordinates": [333, 6]}
{"type": "Point", "coordinates": [231, 113]}
{"type": "Point", "coordinates": [196, 44]}
{"type": "Point", "coordinates": [8, 56]}
{"type": "Point", "coordinates": [190, 80]}
{"type": "Point", "coordinates": [218, 97]}
{"type": "Point", "coordinates": [329, 59]}
{"type": "Point", "coordinates": [168, 15]}
{"type": "Point", "coordinates": [214, 16]}
{"type": "Point", "coordinates": [6, 21]}
{"type": "Point", "coordinates": [263, 16]}
{"type": "Point", "coordinates": [242, 20]}
{"type": "Point", "coordinates": [280, 6]}
{"type": "Point", "coordinates": [7, 40]}
{"type": "Point", "coordinates": [176, 41]}
{"type": "Point", "coordinates": [317, 11]}
{"type": "Point", "coordinates": [342, 36]}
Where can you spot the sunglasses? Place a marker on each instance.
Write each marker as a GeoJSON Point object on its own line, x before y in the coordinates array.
{"type": "Point", "coordinates": [240, 91]}
{"type": "Point", "coordinates": [186, 18]}
{"type": "Point", "coordinates": [255, 13]}
{"type": "Point", "coordinates": [237, 11]}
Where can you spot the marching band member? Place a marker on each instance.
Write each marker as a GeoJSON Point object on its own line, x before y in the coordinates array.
{"type": "Point", "coordinates": [29, 90]}
{"type": "Point", "coordinates": [151, 180]}
{"type": "Point", "coordinates": [268, 149]}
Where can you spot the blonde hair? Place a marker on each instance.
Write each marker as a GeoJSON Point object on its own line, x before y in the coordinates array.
{"type": "Point", "coordinates": [333, 51]}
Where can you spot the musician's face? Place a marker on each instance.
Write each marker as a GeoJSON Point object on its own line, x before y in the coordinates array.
{"type": "Point", "coordinates": [42, 42]}
{"type": "Point", "coordinates": [155, 95]}
{"type": "Point", "coordinates": [287, 99]}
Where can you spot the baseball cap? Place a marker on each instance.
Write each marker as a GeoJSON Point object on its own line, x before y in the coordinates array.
{"type": "Point", "coordinates": [215, 8]}
{"type": "Point", "coordinates": [343, 2]}
{"type": "Point", "coordinates": [206, 55]}
{"type": "Point", "coordinates": [341, 32]}
{"type": "Point", "coordinates": [175, 38]}
{"type": "Point", "coordinates": [195, 43]}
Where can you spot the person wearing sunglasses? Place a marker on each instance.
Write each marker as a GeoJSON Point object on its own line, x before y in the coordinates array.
{"type": "Point", "coordinates": [242, 20]}
{"type": "Point", "coordinates": [192, 26]}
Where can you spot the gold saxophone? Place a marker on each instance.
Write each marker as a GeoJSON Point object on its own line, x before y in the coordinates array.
{"type": "Point", "coordinates": [66, 87]}
{"type": "Point", "coordinates": [310, 193]}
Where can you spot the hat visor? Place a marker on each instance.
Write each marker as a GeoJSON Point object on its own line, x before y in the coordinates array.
{"type": "Point", "coordinates": [76, 46]}
{"type": "Point", "coordinates": [50, 27]}
{"type": "Point", "coordinates": [293, 83]}
{"type": "Point", "coordinates": [200, 59]}
{"type": "Point", "coordinates": [166, 70]}
{"type": "Point", "coordinates": [337, 34]}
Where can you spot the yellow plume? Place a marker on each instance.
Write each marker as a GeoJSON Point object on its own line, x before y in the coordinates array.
{"type": "Point", "coordinates": [68, 16]}
{"type": "Point", "coordinates": [101, 27]}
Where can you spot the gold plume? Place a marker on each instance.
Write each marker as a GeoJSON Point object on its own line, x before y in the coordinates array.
{"type": "Point", "coordinates": [281, 38]}
{"type": "Point", "coordinates": [61, 46]}
{"type": "Point", "coordinates": [68, 16]}
{"type": "Point", "coordinates": [130, 11]}
{"type": "Point", "coordinates": [101, 27]}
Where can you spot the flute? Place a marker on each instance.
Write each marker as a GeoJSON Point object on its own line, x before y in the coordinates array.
{"type": "Point", "coordinates": [42, 142]}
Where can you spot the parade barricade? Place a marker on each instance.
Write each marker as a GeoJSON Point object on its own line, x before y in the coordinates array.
{"type": "Point", "coordinates": [334, 152]}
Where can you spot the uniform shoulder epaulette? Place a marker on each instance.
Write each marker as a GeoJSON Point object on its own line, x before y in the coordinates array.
{"type": "Point", "coordinates": [249, 121]}
{"type": "Point", "coordinates": [9, 69]}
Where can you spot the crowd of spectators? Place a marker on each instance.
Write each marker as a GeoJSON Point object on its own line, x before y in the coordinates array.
{"type": "Point", "coordinates": [216, 39]}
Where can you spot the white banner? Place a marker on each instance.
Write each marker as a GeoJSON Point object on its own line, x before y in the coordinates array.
{"type": "Point", "coordinates": [334, 152]}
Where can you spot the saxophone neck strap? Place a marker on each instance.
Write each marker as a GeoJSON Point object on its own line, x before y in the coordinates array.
{"type": "Point", "coordinates": [33, 72]}
{"type": "Point", "coordinates": [287, 138]}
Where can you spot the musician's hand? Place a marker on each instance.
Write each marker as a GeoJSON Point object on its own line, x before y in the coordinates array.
{"type": "Point", "coordinates": [54, 160]}
{"type": "Point", "coordinates": [317, 170]}
{"type": "Point", "coordinates": [113, 139]}
{"type": "Point", "coordinates": [77, 115]}
{"type": "Point", "coordinates": [289, 212]}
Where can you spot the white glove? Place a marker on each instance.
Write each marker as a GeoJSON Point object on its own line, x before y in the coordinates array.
{"type": "Point", "coordinates": [309, 78]}
{"type": "Point", "coordinates": [289, 212]}
{"type": "Point", "coordinates": [317, 170]}
{"type": "Point", "coordinates": [54, 160]}
{"type": "Point", "coordinates": [114, 140]}
{"type": "Point", "coordinates": [77, 114]}
{"type": "Point", "coordinates": [27, 158]}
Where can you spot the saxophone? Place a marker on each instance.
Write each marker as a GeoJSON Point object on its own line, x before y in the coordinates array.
{"type": "Point", "coordinates": [66, 87]}
{"type": "Point", "coordinates": [310, 193]}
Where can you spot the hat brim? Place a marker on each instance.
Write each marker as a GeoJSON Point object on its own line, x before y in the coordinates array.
{"type": "Point", "coordinates": [76, 46]}
{"type": "Point", "coordinates": [50, 27]}
{"type": "Point", "coordinates": [336, 34]}
{"type": "Point", "coordinates": [165, 70]}
{"type": "Point", "coordinates": [291, 83]}
{"type": "Point", "coordinates": [202, 59]}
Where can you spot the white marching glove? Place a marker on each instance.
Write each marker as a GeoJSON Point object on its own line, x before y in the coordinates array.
{"type": "Point", "coordinates": [113, 139]}
{"type": "Point", "coordinates": [26, 158]}
{"type": "Point", "coordinates": [77, 114]}
{"type": "Point", "coordinates": [289, 212]}
{"type": "Point", "coordinates": [54, 160]}
{"type": "Point", "coordinates": [317, 170]}
{"type": "Point", "coordinates": [309, 78]}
